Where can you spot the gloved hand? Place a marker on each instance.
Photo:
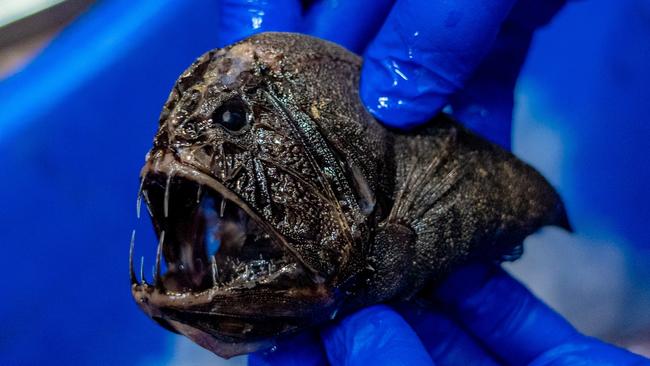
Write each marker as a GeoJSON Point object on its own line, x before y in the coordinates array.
{"type": "Point", "coordinates": [420, 55]}
{"type": "Point", "coordinates": [479, 316]}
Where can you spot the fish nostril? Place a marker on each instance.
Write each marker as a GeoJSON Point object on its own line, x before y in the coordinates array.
{"type": "Point", "coordinates": [189, 130]}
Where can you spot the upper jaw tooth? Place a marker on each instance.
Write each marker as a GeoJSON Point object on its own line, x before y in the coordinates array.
{"type": "Point", "coordinates": [222, 207]}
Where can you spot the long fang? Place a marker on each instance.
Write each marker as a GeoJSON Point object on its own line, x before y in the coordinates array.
{"type": "Point", "coordinates": [157, 279]}
{"type": "Point", "coordinates": [148, 203]}
{"type": "Point", "coordinates": [222, 208]}
{"type": "Point", "coordinates": [138, 204]}
{"type": "Point", "coordinates": [198, 193]}
{"type": "Point", "coordinates": [166, 204]}
{"type": "Point", "coordinates": [144, 281]}
{"type": "Point", "coordinates": [215, 270]}
{"type": "Point", "coordinates": [131, 271]}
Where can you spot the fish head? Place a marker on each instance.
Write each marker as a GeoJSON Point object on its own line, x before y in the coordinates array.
{"type": "Point", "coordinates": [265, 176]}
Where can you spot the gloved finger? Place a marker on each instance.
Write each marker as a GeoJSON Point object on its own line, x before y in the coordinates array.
{"type": "Point", "coordinates": [238, 19]}
{"type": "Point", "coordinates": [424, 52]}
{"type": "Point", "coordinates": [376, 335]}
{"type": "Point", "coordinates": [486, 103]}
{"type": "Point", "coordinates": [304, 349]}
{"type": "Point", "coordinates": [352, 24]}
{"type": "Point", "coordinates": [589, 351]}
{"type": "Point", "coordinates": [529, 15]}
{"type": "Point", "coordinates": [446, 342]}
{"type": "Point", "coordinates": [502, 314]}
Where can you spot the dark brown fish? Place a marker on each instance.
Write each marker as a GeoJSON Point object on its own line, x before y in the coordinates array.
{"type": "Point", "coordinates": [280, 202]}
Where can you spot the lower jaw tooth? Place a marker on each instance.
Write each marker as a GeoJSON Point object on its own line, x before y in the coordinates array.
{"type": "Point", "coordinates": [222, 208]}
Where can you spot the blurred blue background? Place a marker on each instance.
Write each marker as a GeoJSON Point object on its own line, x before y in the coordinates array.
{"type": "Point", "coordinates": [76, 122]}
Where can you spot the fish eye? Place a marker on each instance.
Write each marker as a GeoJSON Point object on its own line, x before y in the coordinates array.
{"type": "Point", "coordinates": [232, 114]}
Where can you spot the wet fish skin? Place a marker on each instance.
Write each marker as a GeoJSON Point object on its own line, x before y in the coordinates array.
{"type": "Point", "coordinates": [372, 214]}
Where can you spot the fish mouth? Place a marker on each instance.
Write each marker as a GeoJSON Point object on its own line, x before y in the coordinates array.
{"type": "Point", "coordinates": [232, 281]}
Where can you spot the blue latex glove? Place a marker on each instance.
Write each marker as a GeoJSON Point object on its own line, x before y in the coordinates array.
{"type": "Point", "coordinates": [420, 55]}
{"type": "Point", "coordinates": [479, 316]}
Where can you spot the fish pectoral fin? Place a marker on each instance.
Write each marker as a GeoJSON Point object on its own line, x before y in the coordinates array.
{"type": "Point", "coordinates": [389, 261]}
{"type": "Point", "coordinates": [468, 198]}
